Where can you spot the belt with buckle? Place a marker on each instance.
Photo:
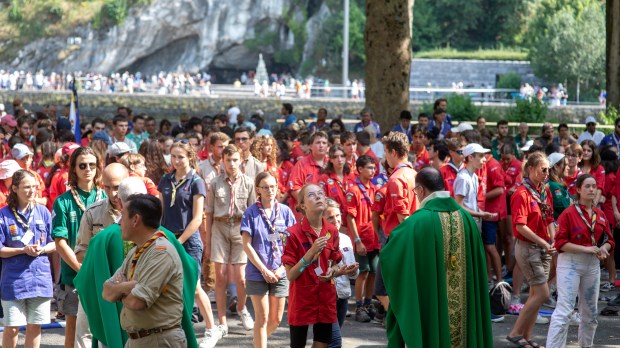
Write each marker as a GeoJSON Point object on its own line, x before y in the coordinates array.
{"type": "Point", "coordinates": [145, 333]}
{"type": "Point", "coordinates": [227, 219]}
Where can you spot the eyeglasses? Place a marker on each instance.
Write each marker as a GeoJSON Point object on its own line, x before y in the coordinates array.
{"type": "Point", "coordinates": [91, 165]}
{"type": "Point", "coordinates": [314, 195]}
{"type": "Point", "coordinates": [572, 155]}
{"type": "Point", "coordinates": [270, 187]}
{"type": "Point", "coordinates": [242, 140]}
{"type": "Point", "coordinates": [373, 168]}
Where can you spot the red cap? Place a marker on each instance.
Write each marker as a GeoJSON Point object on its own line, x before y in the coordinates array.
{"type": "Point", "coordinates": [68, 148]}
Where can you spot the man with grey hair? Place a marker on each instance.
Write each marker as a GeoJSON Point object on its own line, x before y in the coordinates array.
{"type": "Point", "coordinates": [105, 255]}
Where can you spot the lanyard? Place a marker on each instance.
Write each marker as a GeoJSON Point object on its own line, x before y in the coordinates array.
{"type": "Point", "coordinates": [364, 191]}
{"type": "Point", "coordinates": [591, 225]}
{"type": "Point", "coordinates": [142, 249]}
{"type": "Point", "coordinates": [175, 188]}
{"type": "Point", "coordinates": [214, 165]}
{"type": "Point", "coordinates": [270, 222]}
{"type": "Point", "coordinates": [21, 222]}
{"type": "Point", "coordinates": [402, 166]}
{"type": "Point", "coordinates": [340, 184]}
{"type": "Point", "coordinates": [78, 200]}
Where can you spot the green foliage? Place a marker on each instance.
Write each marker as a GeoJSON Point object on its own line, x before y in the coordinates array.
{"type": "Point", "coordinates": [567, 41]}
{"type": "Point", "coordinates": [329, 42]}
{"type": "Point", "coordinates": [528, 110]}
{"type": "Point", "coordinates": [609, 116]}
{"type": "Point", "coordinates": [462, 108]}
{"type": "Point", "coordinates": [510, 80]}
{"type": "Point", "coordinates": [114, 11]}
{"type": "Point", "coordinates": [15, 11]}
{"type": "Point", "coordinates": [466, 24]}
{"type": "Point", "coordinates": [490, 54]}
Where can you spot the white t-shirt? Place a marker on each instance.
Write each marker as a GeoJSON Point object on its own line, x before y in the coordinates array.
{"type": "Point", "coordinates": [596, 137]}
{"type": "Point", "coordinates": [466, 185]}
{"type": "Point", "coordinates": [343, 285]}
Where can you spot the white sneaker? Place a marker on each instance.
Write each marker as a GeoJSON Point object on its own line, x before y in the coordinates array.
{"type": "Point", "coordinates": [550, 303]}
{"type": "Point", "coordinates": [542, 320]}
{"type": "Point", "coordinates": [223, 330]}
{"type": "Point", "coordinates": [575, 319]}
{"type": "Point", "coordinates": [212, 336]}
{"type": "Point", "coordinates": [246, 320]}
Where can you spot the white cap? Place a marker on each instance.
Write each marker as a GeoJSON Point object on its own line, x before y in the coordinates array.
{"type": "Point", "coordinates": [118, 148]}
{"type": "Point", "coordinates": [527, 145]}
{"type": "Point", "coordinates": [554, 158]}
{"type": "Point", "coordinates": [20, 151]}
{"type": "Point", "coordinates": [462, 127]}
{"type": "Point", "coordinates": [473, 148]}
{"type": "Point", "coordinates": [8, 168]}
{"type": "Point", "coordinates": [590, 119]}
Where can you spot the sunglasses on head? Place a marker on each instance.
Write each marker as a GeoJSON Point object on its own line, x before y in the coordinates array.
{"type": "Point", "coordinates": [83, 166]}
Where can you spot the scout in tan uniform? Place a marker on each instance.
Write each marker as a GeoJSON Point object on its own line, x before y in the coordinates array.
{"type": "Point", "coordinates": [249, 165]}
{"type": "Point", "coordinates": [229, 195]}
{"type": "Point", "coordinates": [211, 168]}
{"type": "Point", "coordinates": [96, 217]}
{"type": "Point", "coordinates": [150, 281]}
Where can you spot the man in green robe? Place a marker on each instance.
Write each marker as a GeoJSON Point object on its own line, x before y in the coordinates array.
{"type": "Point", "coordinates": [106, 253]}
{"type": "Point", "coordinates": [434, 271]}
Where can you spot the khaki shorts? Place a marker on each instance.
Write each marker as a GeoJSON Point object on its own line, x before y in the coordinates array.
{"type": "Point", "coordinates": [533, 261]}
{"type": "Point", "coordinates": [226, 243]}
{"type": "Point", "coordinates": [68, 300]}
{"type": "Point", "coordinates": [168, 339]}
{"type": "Point", "coordinates": [35, 311]}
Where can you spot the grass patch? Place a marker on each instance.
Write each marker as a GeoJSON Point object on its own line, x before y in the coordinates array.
{"type": "Point", "coordinates": [496, 54]}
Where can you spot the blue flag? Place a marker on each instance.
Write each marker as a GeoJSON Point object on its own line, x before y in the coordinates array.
{"type": "Point", "coordinates": [74, 114]}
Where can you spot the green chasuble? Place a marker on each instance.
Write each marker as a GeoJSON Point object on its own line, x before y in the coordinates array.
{"type": "Point", "coordinates": [104, 256]}
{"type": "Point", "coordinates": [434, 270]}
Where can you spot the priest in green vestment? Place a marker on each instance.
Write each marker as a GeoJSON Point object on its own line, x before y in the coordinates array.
{"type": "Point", "coordinates": [106, 253]}
{"type": "Point", "coordinates": [434, 269]}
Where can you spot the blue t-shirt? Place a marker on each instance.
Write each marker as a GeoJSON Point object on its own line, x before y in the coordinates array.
{"type": "Point", "coordinates": [253, 223]}
{"type": "Point", "coordinates": [25, 276]}
{"type": "Point", "coordinates": [177, 217]}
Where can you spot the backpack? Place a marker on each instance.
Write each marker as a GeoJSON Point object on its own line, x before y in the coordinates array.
{"type": "Point", "coordinates": [500, 296]}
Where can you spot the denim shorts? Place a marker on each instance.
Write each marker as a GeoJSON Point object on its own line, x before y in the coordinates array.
{"type": "Point", "coordinates": [489, 232]}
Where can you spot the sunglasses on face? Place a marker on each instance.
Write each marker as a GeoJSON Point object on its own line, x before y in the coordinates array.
{"type": "Point", "coordinates": [242, 140]}
{"type": "Point", "coordinates": [182, 141]}
{"type": "Point", "coordinates": [83, 166]}
{"type": "Point", "coordinates": [460, 152]}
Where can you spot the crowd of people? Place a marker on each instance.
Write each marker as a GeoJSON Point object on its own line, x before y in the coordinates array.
{"type": "Point", "coordinates": [129, 231]}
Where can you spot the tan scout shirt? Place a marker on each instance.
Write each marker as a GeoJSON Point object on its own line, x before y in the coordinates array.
{"type": "Point", "coordinates": [97, 216]}
{"type": "Point", "coordinates": [159, 274]}
{"type": "Point", "coordinates": [251, 167]}
{"type": "Point", "coordinates": [209, 170]}
{"type": "Point", "coordinates": [218, 196]}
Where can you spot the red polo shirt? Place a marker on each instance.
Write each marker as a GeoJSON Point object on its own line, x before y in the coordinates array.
{"type": "Point", "coordinates": [306, 171]}
{"type": "Point", "coordinates": [571, 182]}
{"type": "Point", "coordinates": [284, 170]}
{"type": "Point", "coordinates": [421, 159]}
{"type": "Point", "coordinates": [572, 229]}
{"type": "Point", "coordinates": [297, 154]}
{"type": "Point", "coordinates": [360, 207]}
{"type": "Point", "coordinates": [400, 198]}
{"type": "Point", "coordinates": [609, 191]}
{"type": "Point", "coordinates": [482, 186]}
{"type": "Point", "coordinates": [337, 190]}
{"type": "Point", "coordinates": [495, 178]}
{"type": "Point", "coordinates": [449, 172]}
{"type": "Point", "coordinates": [379, 204]}
{"type": "Point", "coordinates": [514, 174]}
{"type": "Point", "coordinates": [598, 173]}
{"type": "Point", "coordinates": [311, 301]}
{"type": "Point", "coordinates": [525, 211]}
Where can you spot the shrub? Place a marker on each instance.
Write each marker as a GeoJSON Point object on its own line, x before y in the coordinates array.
{"type": "Point", "coordinates": [609, 116]}
{"type": "Point", "coordinates": [462, 108]}
{"type": "Point", "coordinates": [15, 11]}
{"type": "Point", "coordinates": [511, 80]}
{"type": "Point", "coordinates": [498, 54]}
{"type": "Point", "coordinates": [528, 110]}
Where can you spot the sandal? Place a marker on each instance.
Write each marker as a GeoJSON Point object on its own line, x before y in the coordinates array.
{"type": "Point", "coordinates": [534, 344]}
{"type": "Point", "coordinates": [518, 341]}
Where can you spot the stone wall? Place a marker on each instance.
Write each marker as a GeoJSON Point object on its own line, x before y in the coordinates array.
{"type": "Point", "coordinates": [104, 105]}
{"type": "Point", "coordinates": [443, 72]}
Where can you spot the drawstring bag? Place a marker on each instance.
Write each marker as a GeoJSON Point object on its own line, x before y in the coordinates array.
{"type": "Point", "coordinates": [500, 296]}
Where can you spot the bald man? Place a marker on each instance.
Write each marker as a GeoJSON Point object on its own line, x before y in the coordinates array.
{"type": "Point", "coordinates": [96, 217]}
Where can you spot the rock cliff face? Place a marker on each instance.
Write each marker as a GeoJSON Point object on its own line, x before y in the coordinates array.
{"type": "Point", "coordinates": [166, 35]}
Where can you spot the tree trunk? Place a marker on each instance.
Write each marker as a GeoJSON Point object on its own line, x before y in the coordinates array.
{"type": "Point", "coordinates": [387, 39]}
{"type": "Point", "coordinates": [613, 53]}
